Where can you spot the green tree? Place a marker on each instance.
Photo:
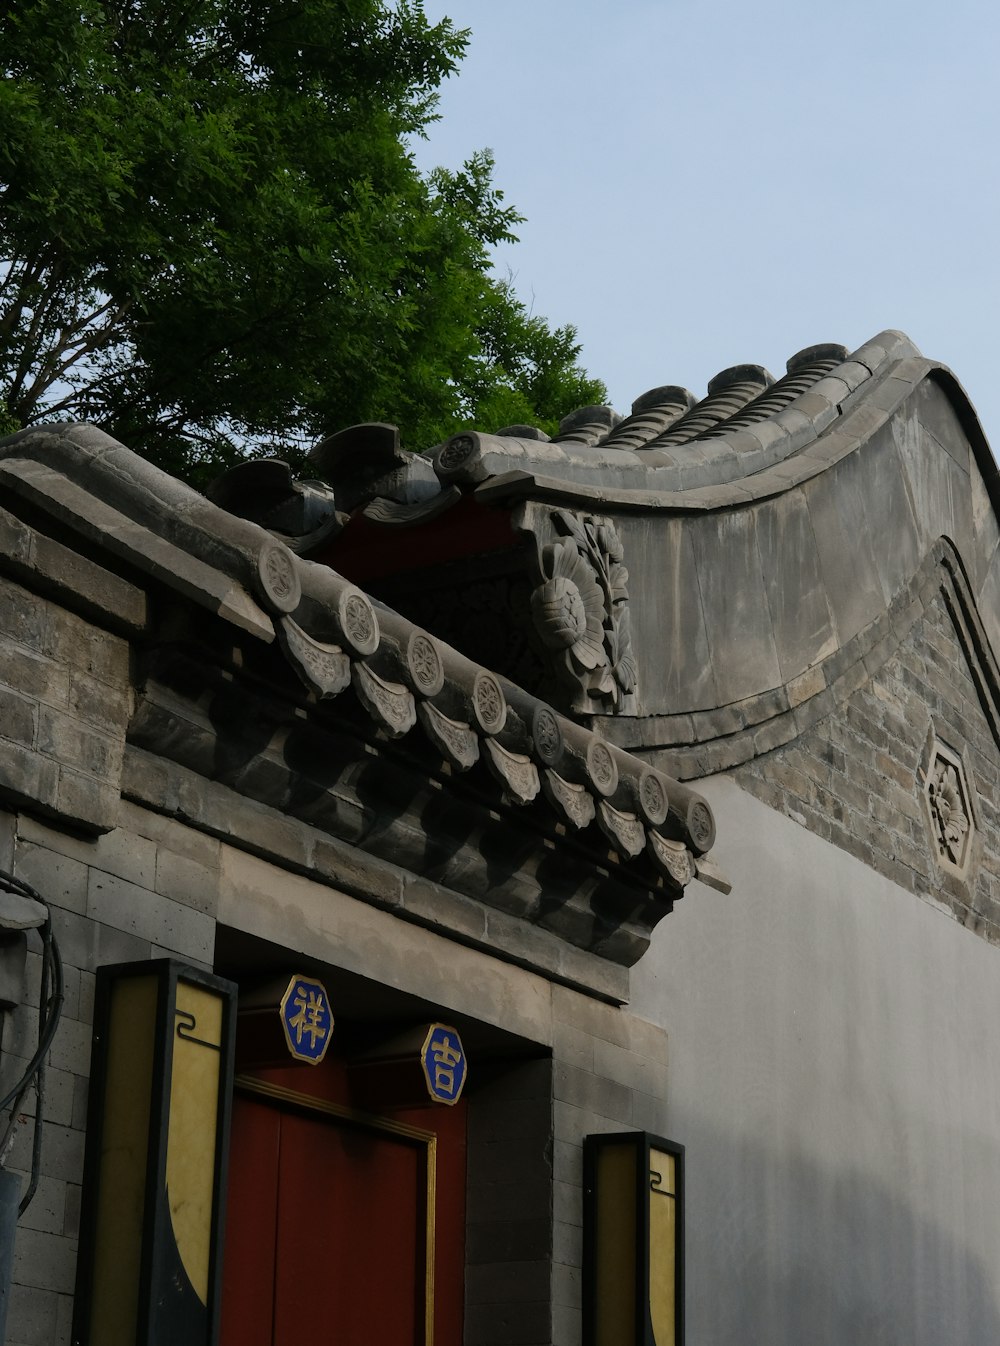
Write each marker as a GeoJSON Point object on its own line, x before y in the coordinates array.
{"type": "Point", "coordinates": [212, 233]}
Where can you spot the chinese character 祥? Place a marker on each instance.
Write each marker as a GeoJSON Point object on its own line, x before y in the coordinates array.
{"type": "Point", "coordinates": [311, 1011]}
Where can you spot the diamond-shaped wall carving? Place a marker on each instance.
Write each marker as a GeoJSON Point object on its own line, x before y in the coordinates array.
{"type": "Point", "coordinates": [949, 803]}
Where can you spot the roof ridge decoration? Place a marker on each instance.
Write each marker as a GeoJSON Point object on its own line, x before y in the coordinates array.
{"type": "Point", "coordinates": [674, 453]}
{"type": "Point", "coordinates": [334, 636]}
{"type": "Point", "coordinates": [580, 606]}
{"type": "Point", "coordinates": [750, 438]}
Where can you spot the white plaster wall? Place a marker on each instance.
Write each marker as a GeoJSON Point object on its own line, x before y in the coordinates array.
{"type": "Point", "coordinates": [835, 1075]}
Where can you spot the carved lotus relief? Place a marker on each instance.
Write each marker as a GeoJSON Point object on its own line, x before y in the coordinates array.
{"type": "Point", "coordinates": [949, 804]}
{"type": "Point", "coordinates": [580, 610]}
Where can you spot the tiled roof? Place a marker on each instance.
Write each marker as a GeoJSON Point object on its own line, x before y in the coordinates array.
{"type": "Point", "coordinates": [337, 639]}
{"type": "Point", "coordinates": [750, 437]}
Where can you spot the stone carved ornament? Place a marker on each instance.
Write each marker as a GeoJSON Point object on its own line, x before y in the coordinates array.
{"type": "Point", "coordinates": [580, 607]}
{"type": "Point", "coordinates": [948, 809]}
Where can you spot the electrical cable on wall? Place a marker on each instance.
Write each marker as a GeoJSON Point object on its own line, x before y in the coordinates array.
{"type": "Point", "coordinates": [50, 1003]}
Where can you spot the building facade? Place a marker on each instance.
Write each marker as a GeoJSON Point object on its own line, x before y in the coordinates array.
{"type": "Point", "coordinates": [447, 738]}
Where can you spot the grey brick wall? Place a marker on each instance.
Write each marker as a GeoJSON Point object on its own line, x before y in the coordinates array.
{"type": "Point", "coordinates": [145, 890]}
{"type": "Point", "coordinates": [64, 703]}
{"type": "Point", "coordinates": [854, 777]}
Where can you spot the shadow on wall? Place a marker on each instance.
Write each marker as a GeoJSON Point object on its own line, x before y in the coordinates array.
{"type": "Point", "coordinates": [782, 1251]}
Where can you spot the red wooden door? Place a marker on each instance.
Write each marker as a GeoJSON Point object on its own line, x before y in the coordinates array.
{"type": "Point", "coordinates": [328, 1225]}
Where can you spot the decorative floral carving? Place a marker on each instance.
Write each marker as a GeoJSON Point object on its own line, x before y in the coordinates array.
{"type": "Point", "coordinates": [948, 809]}
{"type": "Point", "coordinates": [359, 619]}
{"type": "Point", "coordinates": [458, 742]}
{"type": "Point", "coordinates": [653, 798]}
{"type": "Point", "coordinates": [547, 735]}
{"type": "Point", "coordinates": [359, 622]}
{"type": "Point", "coordinates": [673, 857]}
{"type": "Point", "coordinates": [279, 580]}
{"type": "Point", "coordinates": [602, 767]}
{"type": "Point", "coordinates": [424, 662]}
{"type": "Point", "coordinates": [457, 451]}
{"type": "Point", "coordinates": [624, 830]}
{"type": "Point", "coordinates": [389, 702]}
{"type": "Point", "coordinates": [573, 801]}
{"type": "Point", "coordinates": [580, 610]}
{"type": "Point", "coordinates": [514, 771]}
{"type": "Point", "coordinates": [489, 703]}
{"type": "Point", "coordinates": [325, 669]}
{"type": "Point", "coordinates": [701, 825]}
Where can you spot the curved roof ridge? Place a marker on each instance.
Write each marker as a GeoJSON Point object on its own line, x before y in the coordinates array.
{"type": "Point", "coordinates": [700, 450]}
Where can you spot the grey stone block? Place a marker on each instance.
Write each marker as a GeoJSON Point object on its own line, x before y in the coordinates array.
{"type": "Point", "coordinates": [44, 1261]}
{"type": "Point", "coordinates": [169, 835]}
{"type": "Point", "coordinates": [502, 1202]}
{"type": "Point", "coordinates": [101, 704]}
{"type": "Point", "coordinates": [72, 1199]}
{"type": "Point", "coordinates": [567, 1203]}
{"type": "Point", "coordinates": [64, 1320]}
{"type": "Point", "coordinates": [678, 663]}
{"type": "Point", "coordinates": [607, 1022]}
{"type": "Point", "coordinates": [81, 1095]}
{"type": "Point", "coordinates": [90, 588]}
{"type": "Point", "coordinates": [47, 1212]}
{"type": "Point", "coordinates": [593, 1093]}
{"type": "Point", "coordinates": [13, 959]}
{"type": "Point", "coordinates": [510, 1120]}
{"type": "Point", "coordinates": [60, 1095]}
{"type": "Point", "coordinates": [444, 910]}
{"type": "Point", "coordinates": [26, 779]}
{"type": "Point", "coordinates": [573, 1045]}
{"type": "Point", "coordinates": [354, 872]}
{"type": "Point", "coordinates": [32, 1316]}
{"type": "Point", "coordinates": [511, 1324]}
{"type": "Point", "coordinates": [112, 945]}
{"type": "Point", "coordinates": [847, 563]}
{"type": "Point", "coordinates": [20, 1036]}
{"type": "Point", "coordinates": [18, 716]}
{"type": "Point", "coordinates": [92, 654]}
{"type": "Point", "coordinates": [508, 1241]}
{"type": "Point", "coordinates": [86, 801]}
{"type": "Point", "coordinates": [567, 1325]}
{"type": "Point", "coordinates": [567, 1161]}
{"type": "Point", "coordinates": [33, 675]}
{"type": "Point", "coordinates": [126, 906]}
{"type": "Point", "coordinates": [630, 1069]}
{"type": "Point", "coordinates": [71, 1047]}
{"type": "Point", "coordinates": [25, 616]}
{"type": "Point", "coordinates": [8, 832]}
{"type": "Point", "coordinates": [567, 1243]}
{"type": "Point", "coordinates": [127, 856]}
{"type": "Point", "coordinates": [187, 881]}
{"type": "Point", "coordinates": [501, 1282]}
{"type": "Point", "coordinates": [796, 596]}
{"type": "Point", "coordinates": [71, 741]}
{"type": "Point", "coordinates": [733, 594]}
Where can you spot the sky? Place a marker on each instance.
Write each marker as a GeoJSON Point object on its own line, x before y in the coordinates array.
{"type": "Point", "coordinates": [710, 184]}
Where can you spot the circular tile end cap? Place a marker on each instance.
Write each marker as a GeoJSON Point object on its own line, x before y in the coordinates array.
{"type": "Point", "coordinates": [459, 459]}
{"type": "Point", "coordinates": [547, 735]}
{"type": "Point", "coordinates": [358, 621]}
{"type": "Point", "coordinates": [701, 826]}
{"type": "Point", "coordinates": [489, 703]}
{"type": "Point", "coordinates": [602, 767]}
{"type": "Point", "coordinates": [424, 663]}
{"type": "Point", "coordinates": [278, 577]}
{"type": "Point", "coordinates": [653, 797]}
